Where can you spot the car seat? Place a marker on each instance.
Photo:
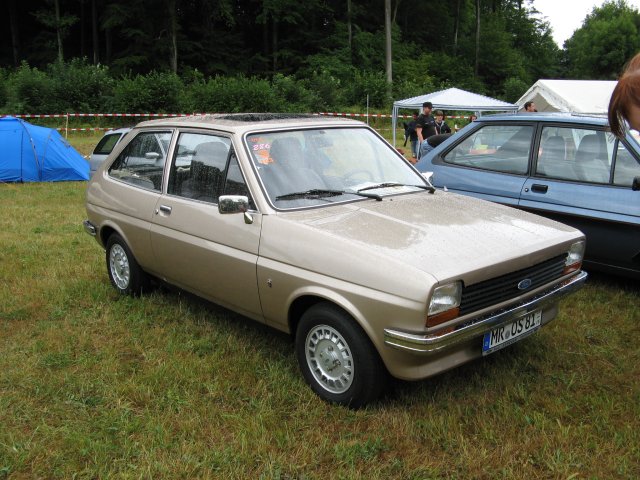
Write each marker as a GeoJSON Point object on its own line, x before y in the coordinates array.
{"type": "Point", "coordinates": [591, 159]}
{"type": "Point", "coordinates": [207, 167]}
{"type": "Point", "coordinates": [288, 172]}
{"type": "Point", "coordinates": [552, 161]}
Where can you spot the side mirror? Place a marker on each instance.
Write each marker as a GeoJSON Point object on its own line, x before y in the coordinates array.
{"type": "Point", "coordinates": [635, 185]}
{"type": "Point", "coordinates": [228, 204]}
{"type": "Point", "coordinates": [233, 204]}
{"type": "Point", "coordinates": [428, 176]}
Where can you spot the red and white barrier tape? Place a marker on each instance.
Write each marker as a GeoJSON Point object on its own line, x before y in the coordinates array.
{"type": "Point", "coordinates": [149, 115]}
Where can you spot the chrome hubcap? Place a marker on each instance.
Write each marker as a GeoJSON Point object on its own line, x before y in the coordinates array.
{"type": "Point", "coordinates": [119, 265]}
{"type": "Point", "coordinates": [329, 359]}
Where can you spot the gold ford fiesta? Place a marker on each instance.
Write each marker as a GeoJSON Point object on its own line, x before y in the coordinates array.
{"type": "Point", "coordinates": [319, 228]}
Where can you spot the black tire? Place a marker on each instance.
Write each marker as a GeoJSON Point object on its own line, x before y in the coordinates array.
{"type": "Point", "coordinates": [337, 358]}
{"type": "Point", "coordinates": [124, 272]}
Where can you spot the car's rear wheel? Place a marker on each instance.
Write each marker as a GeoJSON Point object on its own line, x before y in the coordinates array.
{"type": "Point", "coordinates": [337, 358]}
{"type": "Point", "coordinates": [124, 272]}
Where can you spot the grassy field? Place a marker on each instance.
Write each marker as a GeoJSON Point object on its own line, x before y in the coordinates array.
{"type": "Point", "coordinates": [93, 385]}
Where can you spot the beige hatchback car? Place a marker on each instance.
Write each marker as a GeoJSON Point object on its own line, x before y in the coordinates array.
{"type": "Point", "coordinates": [319, 228]}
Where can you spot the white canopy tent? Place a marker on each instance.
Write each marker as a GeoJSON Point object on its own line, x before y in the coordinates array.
{"type": "Point", "coordinates": [577, 96]}
{"type": "Point", "coordinates": [451, 99]}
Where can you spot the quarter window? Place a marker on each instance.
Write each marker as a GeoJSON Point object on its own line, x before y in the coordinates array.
{"type": "Point", "coordinates": [500, 148]}
{"type": "Point", "coordinates": [626, 168]}
{"type": "Point", "coordinates": [142, 161]}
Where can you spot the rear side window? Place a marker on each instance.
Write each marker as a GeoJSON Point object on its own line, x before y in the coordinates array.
{"type": "Point", "coordinates": [578, 154]}
{"type": "Point", "coordinates": [142, 161]}
{"type": "Point", "coordinates": [106, 144]}
{"type": "Point", "coordinates": [499, 148]}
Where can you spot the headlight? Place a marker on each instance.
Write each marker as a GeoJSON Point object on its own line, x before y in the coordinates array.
{"type": "Point", "coordinates": [574, 257]}
{"type": "Point", "coordinates": [444, 303]}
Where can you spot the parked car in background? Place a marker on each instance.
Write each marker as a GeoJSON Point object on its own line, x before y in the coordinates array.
{"type": "Point", "coordinates": [565, 167]}
{"type": "Point", "coordinates": [319, 228]}
{"type": "Point", "coordinates": [104, 147]}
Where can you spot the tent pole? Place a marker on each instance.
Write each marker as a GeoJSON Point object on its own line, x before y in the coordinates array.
{"type": "Point", "coordinates": [66, 129]}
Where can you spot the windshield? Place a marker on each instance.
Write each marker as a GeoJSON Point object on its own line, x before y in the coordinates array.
{"type": "Point", "coordinates": [321, 166]}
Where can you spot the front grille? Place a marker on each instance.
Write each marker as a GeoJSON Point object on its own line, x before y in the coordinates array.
{"type": "Point", "coordinates": [500, 289]}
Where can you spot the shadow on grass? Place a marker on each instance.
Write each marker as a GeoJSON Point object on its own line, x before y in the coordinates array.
{"type": "Point", "coordinates": [601, 279]}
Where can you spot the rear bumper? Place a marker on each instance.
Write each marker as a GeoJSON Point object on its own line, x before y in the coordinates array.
{"type": "Point", "coordinates": [431, 344]}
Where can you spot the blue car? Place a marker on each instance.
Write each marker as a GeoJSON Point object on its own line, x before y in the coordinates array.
{"type": "Point", "coordinates": [566, 167]}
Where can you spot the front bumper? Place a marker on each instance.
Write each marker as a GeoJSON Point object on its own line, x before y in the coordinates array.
{"type": "Point", "coordinates": [90, 228]}
{"type": "Point", "coordinates": [426, 343]}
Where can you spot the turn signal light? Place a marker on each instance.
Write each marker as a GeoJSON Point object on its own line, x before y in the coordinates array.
{"type": "Point", "coordinates": [439, 318]}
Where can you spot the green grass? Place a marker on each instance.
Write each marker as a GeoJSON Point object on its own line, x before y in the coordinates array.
{"type": "Point", "coordinates": [93, 385]}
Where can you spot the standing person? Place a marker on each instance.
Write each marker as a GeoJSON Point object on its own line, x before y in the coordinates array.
{"type": "Point", "coordinates": [530, 107]}
{"type": "Point", "coordinates": [413, 135]}
{"type": "Point", "coordinates": [441, 125]}
{"type": "Point", "coordinates": [625, 99]}
{"type": "Point", "coordinates": [425, 125]}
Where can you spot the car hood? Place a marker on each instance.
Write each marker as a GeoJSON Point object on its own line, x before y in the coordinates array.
{"type": "Point", "coordinates": [443, 235]}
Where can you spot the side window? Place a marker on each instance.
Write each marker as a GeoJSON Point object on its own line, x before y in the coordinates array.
{"type": "Point", "coordinates": [234, 183]}
{"type": "Point", "coordinates": [198, 167]}
{"type": "Point", "coordinates": [106, 144]}
{"type": "Point", "coordinates": [500, 148]}
{"type": "Point", "coordinates": [626, 168]}
{"type": "Point", "coordinates": [142, 161]}
{"type": "Point", "coordinates": [577, 154]}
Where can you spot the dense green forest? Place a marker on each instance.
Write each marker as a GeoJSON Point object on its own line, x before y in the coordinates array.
{"type": "Point", "coordinates": [232, 55]}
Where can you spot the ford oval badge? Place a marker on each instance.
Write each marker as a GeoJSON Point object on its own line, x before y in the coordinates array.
{"type": "Point", "coordinates": [524, 284]}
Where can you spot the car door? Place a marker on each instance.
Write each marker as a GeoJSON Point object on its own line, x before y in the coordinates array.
{"type": "Point", "coordinates": [491, 162]}
{"type": "Point", "coordinates": [583, 177]}
{"type": "Point", "coordinates": [135, 188]}
{"type": "Point", "coordinates": [197, 248]}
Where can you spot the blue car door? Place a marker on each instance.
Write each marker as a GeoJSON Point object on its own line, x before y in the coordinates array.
{"type": "Point", "coordinates": [491, 162]}
{"type": "Point", "coordinates": [582, 177]}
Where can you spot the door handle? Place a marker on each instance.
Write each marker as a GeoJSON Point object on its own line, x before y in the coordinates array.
{"type": "Point", "coordinates": [165, 209]}
{"type": "Point", "coordinates": [536, 187]}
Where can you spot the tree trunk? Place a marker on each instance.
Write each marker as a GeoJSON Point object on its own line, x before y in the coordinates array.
{"type": "Point", "coordinates": [58, 31]}
{"type": "Point", "coordinates": [456, 28]}
{"type": "Point", "coordinates": [387, 29]}
{"type": "Point", "coordinates": [394, 19]}
{"type": "Point", "coordinates": [83, 31]}
{"type": "Point", "coordinates": [108, 45]}
{"type": "Point", "coordinates": [94, 33]}
{"type": "Point", "coordinates": [15, 37]}
{"type": "Point", "coordinates": [274, 42]}
{"type": "Point", "coordinates": [349, 31]}
{"type": "Point", "coordinates": [173, 29]}
{"type": "Point", "coordinates": [477, 38]}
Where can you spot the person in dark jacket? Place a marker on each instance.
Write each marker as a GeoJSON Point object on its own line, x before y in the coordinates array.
{"type": "Point", "coordinates": [441, 125]}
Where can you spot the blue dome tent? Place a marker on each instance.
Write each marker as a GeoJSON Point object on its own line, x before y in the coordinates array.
{"type": "Point", "coordinates": [29, 153]}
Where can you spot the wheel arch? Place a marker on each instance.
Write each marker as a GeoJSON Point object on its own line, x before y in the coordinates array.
{"type": "Point", "coordinates": [305, 301]}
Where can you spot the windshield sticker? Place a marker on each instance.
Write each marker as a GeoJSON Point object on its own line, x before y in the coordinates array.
{"type": "Point", "coordinates": [260, 148]}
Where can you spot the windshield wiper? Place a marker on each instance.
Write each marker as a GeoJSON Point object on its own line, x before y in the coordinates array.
{"type": "Point", "coordinates": [313, 193]}
{"type": "Point", "coordinates": [429, 188]}
{"type": "Point", "coordinates": [321, 193]}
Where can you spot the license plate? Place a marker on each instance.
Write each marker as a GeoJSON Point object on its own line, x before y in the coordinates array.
{"type": "Point", "coordinates": [507, 334]}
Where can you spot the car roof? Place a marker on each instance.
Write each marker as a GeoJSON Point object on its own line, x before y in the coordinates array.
{"type": "Point", "coordinates": [240, 122]}
{"type": "Point", "coordinates": [546, 117]}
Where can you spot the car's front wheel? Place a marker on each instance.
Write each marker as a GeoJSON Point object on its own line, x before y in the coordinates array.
{"type": "Point", "coordinates": [337, 358]}
{"type": "Point", "coordinates": [124, 272]}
